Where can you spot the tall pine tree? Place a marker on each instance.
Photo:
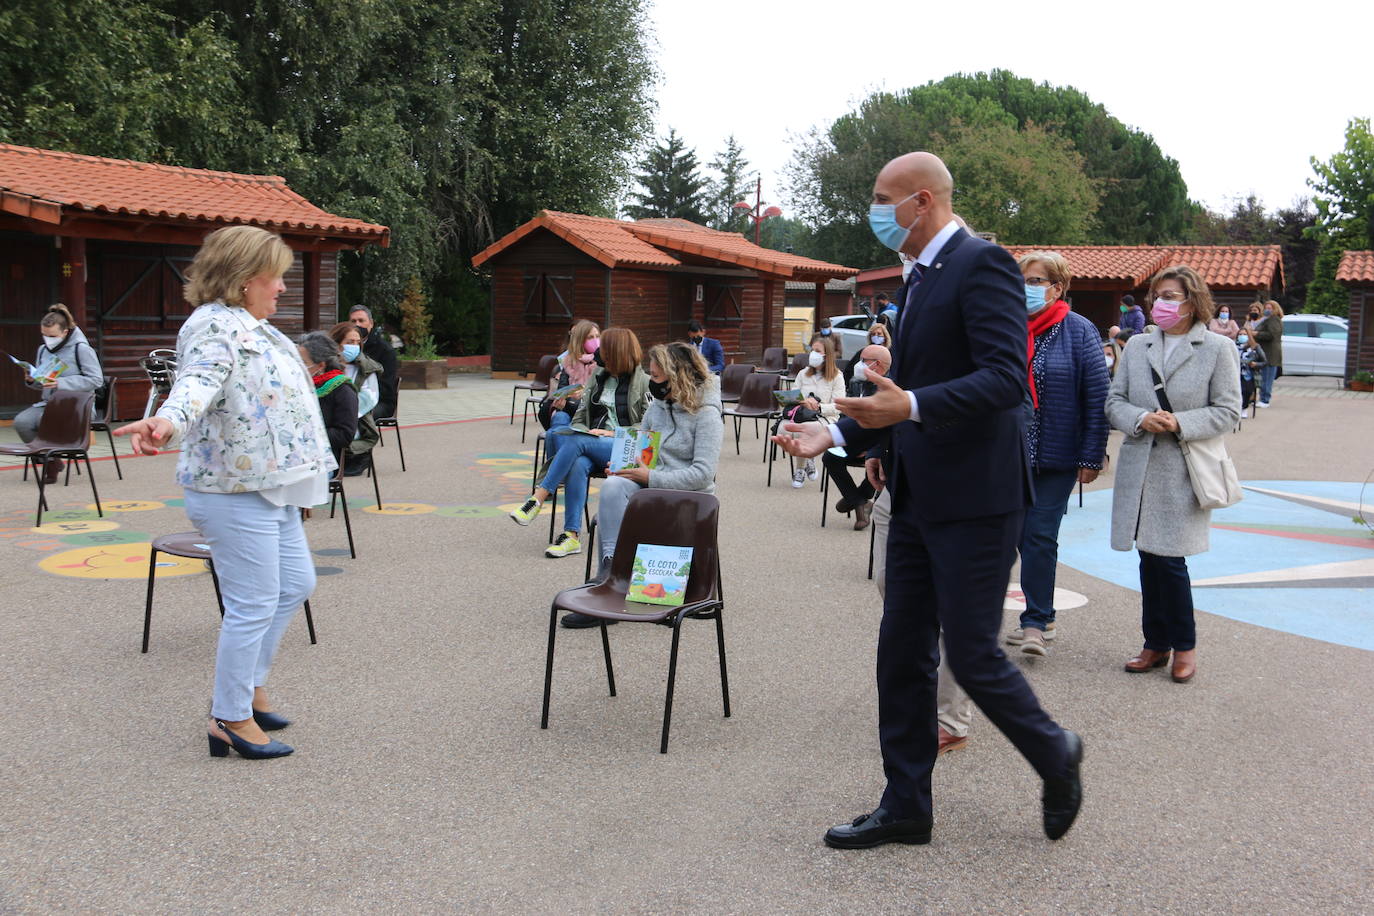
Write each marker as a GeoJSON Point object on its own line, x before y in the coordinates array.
{"type": "Point", "coordinates": [670, 183]}
{"type": "Point", "coordinates": [734, 183]}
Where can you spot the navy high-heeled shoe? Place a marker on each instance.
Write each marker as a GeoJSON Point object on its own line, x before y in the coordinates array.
{"type": "Point", "coordinates": [247, 749]}
{"type": "Point", "coordinates": [269, 721]}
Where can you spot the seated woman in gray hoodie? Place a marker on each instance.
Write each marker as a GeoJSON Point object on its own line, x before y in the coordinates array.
{"type": "Point", "coordinates": [65, 362]}
{"type": "Point", "coordinates": [686, 410]}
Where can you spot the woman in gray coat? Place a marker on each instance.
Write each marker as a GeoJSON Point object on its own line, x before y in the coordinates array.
{"type": "Point", "coordinates": [686, 412]}
{"type": "Point", "coordinates": [65, 362]}
{"type": "Point", "coordinates": [1153, 506]}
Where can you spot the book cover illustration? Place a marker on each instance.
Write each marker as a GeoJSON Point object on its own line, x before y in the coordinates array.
{"type": "Point", "coordinates": [789, 398]}
{"type": "Point", "coordinates": [634, 448]}
{"type": "Point", "coordinates": [567, 391]}
{"type": "Point", "coordinates": [660, 574]}
{"type": "Point", "coordinates": [31, 371]}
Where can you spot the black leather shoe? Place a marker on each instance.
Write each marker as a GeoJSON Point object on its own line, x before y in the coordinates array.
{"type": "Point", "coordinates": [1063, 797]}
{"type": "Point", "coordinates": [575, 621]}
{"type": "Point", "coordinates": [269, 721]}
{"type": "Point", "coordinates": [869, 830]}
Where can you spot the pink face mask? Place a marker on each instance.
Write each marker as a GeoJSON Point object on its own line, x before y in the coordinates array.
{"type": "Point", "coordinates": [1165, 313]}
{"type": "Point", "coordinates": [591, 345]}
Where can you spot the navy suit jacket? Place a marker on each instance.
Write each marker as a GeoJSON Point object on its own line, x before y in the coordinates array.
{"type": "Point", "coordinates": [961, 347]}
{"type": "Point", "coordinates": [713, 353]}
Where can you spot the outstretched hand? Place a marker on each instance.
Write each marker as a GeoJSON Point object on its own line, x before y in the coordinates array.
{"type": "Point", "coordinates": [811, 439]}
{"type": "Point", "coordinates": [149, 435]}
{"type": "Point", "coordinates": [887, 406]}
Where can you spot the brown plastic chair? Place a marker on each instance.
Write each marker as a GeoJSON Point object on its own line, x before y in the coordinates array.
{"type": "Point", "coordinates": [542, 374]}
{"type": "Point", "coordinates": [756, 403]}
{"type": "Point", "coordinates": [64, 431]}
{"type": "Point", "coordinates": [774, 360]}
{"type": "Point", "coordinates": [799, 362]}
{"type": "Point", "coordinates": [732, 381]}
{"type": "Point", "coordinates": [105, 411]}
{"type": "Point", "coordinates": [189, 544]}
{"type": "Point", "coordinates": [663, 517]}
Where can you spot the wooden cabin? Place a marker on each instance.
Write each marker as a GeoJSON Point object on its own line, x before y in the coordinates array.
{"type": "Point", "coordinates": [1356, 273]}
{"type": "Point", "coordinates": [111, 239]}
{"type": "Point", "coordinates": [653, 276]}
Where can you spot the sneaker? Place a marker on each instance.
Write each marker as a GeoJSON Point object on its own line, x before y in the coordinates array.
{"type": "Point", "coordinates": [798, 478]}
{"type": "Point", "coordinates": [566, 543]}
{"type": "Point", "coordinates": [526, 513]}
{"type": "Point", "coordinates": [811, 469]}
{"type": "Point", "coordinates": [1262, 403]}
{"type": "Point", "coordinates": [1018, 636]}
{"type": "Point", "coordinates": [1033, 643]}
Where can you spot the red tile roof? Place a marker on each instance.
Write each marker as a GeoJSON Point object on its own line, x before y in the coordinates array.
{"type": "Point", "coordinates": [653, 243]}
{"type": "Point", "coordinates": [1356, 267]}
{"type": "Point", "coordinates": [43, 184]}
{"type": "Point", "coordinates": [1222, 266]}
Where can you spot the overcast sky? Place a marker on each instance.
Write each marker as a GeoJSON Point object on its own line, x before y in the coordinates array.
{"type": "Point", "coordinates": [1239, 94]}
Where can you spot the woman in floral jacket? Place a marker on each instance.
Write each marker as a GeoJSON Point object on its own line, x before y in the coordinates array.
{"type": "Point", "coordinates": [253, 450]}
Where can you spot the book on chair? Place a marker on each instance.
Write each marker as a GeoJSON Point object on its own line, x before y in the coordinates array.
{"type": "Point", "coordinates": [659, 575]}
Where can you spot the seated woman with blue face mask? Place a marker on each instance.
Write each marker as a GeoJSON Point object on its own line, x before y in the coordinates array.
{"type": "Point", "coordinates": [364, 372]}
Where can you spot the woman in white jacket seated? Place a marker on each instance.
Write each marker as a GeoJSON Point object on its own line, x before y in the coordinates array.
{"type": "Point", "coordinates": [821, 382]}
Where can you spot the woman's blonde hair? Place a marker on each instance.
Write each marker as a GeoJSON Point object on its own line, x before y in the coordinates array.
{"type": "Point", "coordinates": [688, 374]}
{"type": "Point", "coordinates": [828, 368]}
{"type": "Point", "coordinates": [229, 258]}
{"type": "Point", "coordinates": [1278, 309]}
{"type": "Point", "coordinates": [577, 338]}
{"type": "Point", "coordinates": [620, 351]}
{"type": "Point", "coordinates": [1055, 266]}
{"type": "Point", "coordinates": [1193, 284]}
{"type": "Point", "coordinates": [58, 314]}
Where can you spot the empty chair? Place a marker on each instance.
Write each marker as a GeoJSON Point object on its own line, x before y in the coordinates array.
{"type": "Point", "coordinates": [799, 362]}
{"type": "Point", "coordinates": [670, 518]}
{"type": "Point", "coordinates": [732, 381]}
{"type": "Point", "coordinates": [189, 544]}
{"type": "Point", "coordinates": [774, 360]}
{"type": "Point", "coordinates": [390, 423]}
{"type": "Point", "coordinates": [540, 384]}
{"type": "Point", "coordinates": [105, 411]}
{"type": "Point", "coordinates": [64, 431]}
{"type": "Point", "coordinates": [756, 402]}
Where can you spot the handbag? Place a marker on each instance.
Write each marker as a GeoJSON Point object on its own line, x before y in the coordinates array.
{"type": "Point", "coordinates": [1210, 469]}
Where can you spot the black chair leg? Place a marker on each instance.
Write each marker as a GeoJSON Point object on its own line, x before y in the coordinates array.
{"type": "Point", "coordinates": [348, 527]}
{"type": "Point", "coordinates": [148, 606]}
{"type": "Point", "coordinates": [825, 491]}
{"type": "Point", "coordinates": [90, 474]}
{"type": "Point", "coordinates": [553, 513]}
{"type": "Point", "coordinates": [310, 623]}
{"type": "Point", "coordinates": [513, 393]}
{"type": "Point", "coordinates": [109, 434]}
{"type": "Point", "coordinates": [219, 595]}
{"type": "Point", "coordinates": [737, 428]}
{"type": "Point", "coordinates": [548, 665]}
{"type": "Point", "coordinates": [524, 421]}
{"type": "Point", "coordinates": [672, 679]}
{"type": "Point", "coordinates": [770, 463]}
{"type": "Point", "coordinates": [372, 471]}
{"type": "Point", "coordinates": [42, 499]}
{"type": "Point", "coordinates": [606, 650]}
{"type": "Point", "coordinates": [589, 549]}
{"type": "Point", "coordinates": [720, 648]}
{"type": "Point", "coordinates": [401, 447]}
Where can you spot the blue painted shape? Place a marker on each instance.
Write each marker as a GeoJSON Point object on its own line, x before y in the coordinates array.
{"type": "Point", "coordinates": [1344, 616]}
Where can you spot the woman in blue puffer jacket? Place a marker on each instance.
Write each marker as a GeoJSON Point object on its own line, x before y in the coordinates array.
{"type": "Point", "coordinates": [1066, 435]}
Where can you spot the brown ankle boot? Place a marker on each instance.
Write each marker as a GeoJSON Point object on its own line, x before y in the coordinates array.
{"type": "Point", "coordinates": [1146, 660]}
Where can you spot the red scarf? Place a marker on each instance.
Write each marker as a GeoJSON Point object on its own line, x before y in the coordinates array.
{"type": "Point", "coordinates": [1039, 323]}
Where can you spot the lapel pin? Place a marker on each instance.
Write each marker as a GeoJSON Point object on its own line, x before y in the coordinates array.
{"type": "Point", "coordinates": [939, 264]}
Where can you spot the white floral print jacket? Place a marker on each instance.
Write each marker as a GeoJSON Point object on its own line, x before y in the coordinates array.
{"type": "Point", "coordinates": [243, 406]}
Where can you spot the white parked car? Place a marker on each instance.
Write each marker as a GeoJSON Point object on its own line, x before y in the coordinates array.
{"type": "Point", "coordinates": [851, 332]}
{"type": "Point", "coordinates": [1314, 344]}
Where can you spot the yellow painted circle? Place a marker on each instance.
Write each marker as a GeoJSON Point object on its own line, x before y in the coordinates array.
{"type": "Point", "coordinates": [400, 509]}
{"type": "Point", "coordinates": [116, 561]}
{"type": "Point", "coordinates": [517, 475]}
{"type": "Point", "coordinates": [129, 505]}
{"type": "Point", "coordinates": [530, 453]}
{"type": "Point", "coordinates": [76, 527]}
{"type": "Point", "coordinates": [504, 462]}
{"type": "Point", "coordinates": [510, 507]}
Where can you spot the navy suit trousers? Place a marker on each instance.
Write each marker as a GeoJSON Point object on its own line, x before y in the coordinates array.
{"type": "Point", "coordinates": [950, 576]}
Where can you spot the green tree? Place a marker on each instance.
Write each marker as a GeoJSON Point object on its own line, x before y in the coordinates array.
{"type": "Point", "coordinates": [670, 183]}
{"type": "Point", "coordinates": [1249, 223]}
{"type": "Point", "coordinates": [733, 183]}
{"type": "Point", "coordinates": [1344, 196]}
{"type": "Point", "coordinates": [1141, 194]}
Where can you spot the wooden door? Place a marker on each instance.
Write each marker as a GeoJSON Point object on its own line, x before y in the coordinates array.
{"type": "Point", "coordinates": [28, 285]}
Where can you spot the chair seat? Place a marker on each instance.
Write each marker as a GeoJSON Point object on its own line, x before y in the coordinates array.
{"type": "Point", "coordinates": [748, 412]}
{"type": "Point", "coordinates": [189, 544]}
{"type": "Point", "coordinates": [600, 600]}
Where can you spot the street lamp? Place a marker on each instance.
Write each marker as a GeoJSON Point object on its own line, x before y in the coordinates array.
{"type": "Point", "coordinates": [756, 212]}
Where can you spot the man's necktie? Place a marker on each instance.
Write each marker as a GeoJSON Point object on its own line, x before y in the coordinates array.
{"type": "Point", "coordinates": [913, 281]}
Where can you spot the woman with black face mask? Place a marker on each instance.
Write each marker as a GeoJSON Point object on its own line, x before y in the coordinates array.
{"type": "Point", "coordinates": [686, 411]}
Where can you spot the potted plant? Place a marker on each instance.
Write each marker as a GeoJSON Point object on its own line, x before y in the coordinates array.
{"type": "Point", "coordinates": [1362, 381]}
{"type": "Point", "coordinates": [421, 366]}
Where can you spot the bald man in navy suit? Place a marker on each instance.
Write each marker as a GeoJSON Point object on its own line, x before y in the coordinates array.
{"type": "Point", "coordinates": [951, 415]}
